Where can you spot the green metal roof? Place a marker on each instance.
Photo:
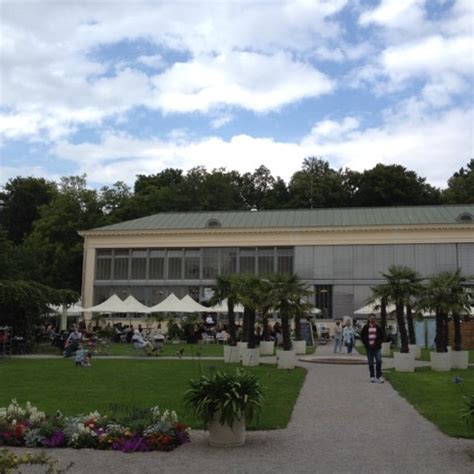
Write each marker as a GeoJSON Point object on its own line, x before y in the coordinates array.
{"type": "Point", "coordinates": [340, 217]}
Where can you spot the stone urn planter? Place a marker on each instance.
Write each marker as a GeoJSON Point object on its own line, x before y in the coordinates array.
{"type": "Point", "coordinates": [416, 350]}
{"type": "Point", "coordinates": [226, 436]}
{"type": "Point", "coordinates": [225, 402]}
{"type": "Point", "coordinates": [459, 359]}
{"type": "Point", "coordinates": [386, 349]}
{"type": "Point", "coordinates": [267, 348]}
{"type": "Point", "coordinates": [440, 361]}
{"type": "Point", "coordinates": [286, 359]}
{"type": "Point", "coordinates": [250, 357]}
{"type": "Point", "coordinates": [231, 354]}
{"type": "Point", "coordinates": [403, 362]}
{"type": "Point", "coordinates": [299, 347]}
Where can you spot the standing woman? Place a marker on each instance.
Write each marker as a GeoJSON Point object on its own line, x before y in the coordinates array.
{"type": "Point", "coordinates": [338, 337]}
{"type": "Point", "coordinates": [348, 336]}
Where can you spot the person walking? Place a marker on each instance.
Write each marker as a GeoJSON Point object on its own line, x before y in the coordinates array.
{"type": "Point", "coordinates": [372, 337]}
{"type": "Point", "coordinates": [338, 337]}
{"type": "Point", "coordinates": [348, 336]}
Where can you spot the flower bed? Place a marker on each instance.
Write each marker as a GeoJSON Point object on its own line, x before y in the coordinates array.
{"type": "Point", "coordinates": [153, 431]}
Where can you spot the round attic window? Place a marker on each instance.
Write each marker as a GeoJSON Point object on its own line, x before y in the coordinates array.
{"type": "Point", "coordinates": [213, 223]}
{"type": "Point", "coordinates": [465, 217]}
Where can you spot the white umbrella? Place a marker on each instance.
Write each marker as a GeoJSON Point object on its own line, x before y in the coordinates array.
{"type": "Point", "coordinates": [135, 306]}
{"type": "Point", "coordinates": [374, 308]}
{"type": "Point", "coordinates": [113, 305]}
{"type": "Point", "coordinates": [223, 308]}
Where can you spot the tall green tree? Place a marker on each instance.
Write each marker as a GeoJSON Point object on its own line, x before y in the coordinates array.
{"type": "Point", "coordinates": [318, 185]}
{"type": "Point", "coordinates": [393, 185]}
{"type": "Point", "coordinates": [461, 186]}
{"type": "Point", "coordinates": [54, 244]}
{"type": "Point", "coordinates": [22, 198]}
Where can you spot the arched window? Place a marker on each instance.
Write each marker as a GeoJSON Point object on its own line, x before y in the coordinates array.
{"type": "Point", "coordinates": [213, 223]}
{"type": "Point", "coordinates": [465, 217]}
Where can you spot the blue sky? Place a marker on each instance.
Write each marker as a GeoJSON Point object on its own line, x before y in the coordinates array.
{"type": "Point", "coordinates": [116, 89]}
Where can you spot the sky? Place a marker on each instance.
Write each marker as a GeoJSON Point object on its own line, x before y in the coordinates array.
{"type": "Point", "coordinates": [113, 89]}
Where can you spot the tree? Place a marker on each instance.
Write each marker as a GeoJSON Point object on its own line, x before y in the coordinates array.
{"type": "Point", "coordinates": [393, 185]}
{"type": "Point", "coordinates": [401, 283]}
{"type": "Point", "coordinates": [445, 295]}
{"type": "Point", "coordinates": [22, 199]}
{"type": "Point", "coordinates": [318, 185]}
{"type": "Point", "coordinates": [54, 244]}
{"type": "Point", "coordinates": [288, 291]}
{"type": "Point", "coordinates": [461, 186]}
{"type": "Point", "coordinates": [226, 289]}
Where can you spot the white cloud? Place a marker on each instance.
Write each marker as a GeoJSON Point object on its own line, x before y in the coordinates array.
{"type": "Point", "coordinates": [433, 145]}
{"type": "Point", "coordinates": [253, 81]}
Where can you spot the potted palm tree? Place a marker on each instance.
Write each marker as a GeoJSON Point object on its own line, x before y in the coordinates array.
{"type": "Point", "coordinates": [226, 289]}
{"type": "Point", "coordinates": [445, 295]}
{"type": "Point", "coordinates": [400, 284]}
{"type": "Point", "coordinates": [288, 292]}
{"type": "Point", "coordinates": [225, 402]}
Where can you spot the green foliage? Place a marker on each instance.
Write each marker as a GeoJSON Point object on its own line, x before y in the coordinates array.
{"type": "Point", "coordinates": [230, 395]}
{"type": "Point", "coordinates": [23, 303]}
{"type": "Point", "coordinates": [174, 330]}
{"type": "Point", "coordinates": [461, 186]}
{"type": "Point", "coordinates": [467, 414]}
{"type": "Point", "coordinates": [10, 462]}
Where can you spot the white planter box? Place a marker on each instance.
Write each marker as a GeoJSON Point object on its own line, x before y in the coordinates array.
{"type": "Point", "coordinates": [224, 436]}
{"type": "Point", "coordinates": [299, 347]}
{"type": "Point", "coordinates": [416, 350]}
{"type": "Point", "coordinates": [267, 348]}
{"type": "Point", "coordinates": [231, 354]}
{"type": "Point", "coordinates": [286, 359]}
{"type": "Point", "coordinates": [241, 346]}
{"type": "Point", "coordinates": [403, 362]}
{"type": "Point", "coordinates": [250, 357]}
{"type": "Point", "coordinates": [459, 359]}
{"type": "Point", "coordinates": [440, 361]}
{"type": "Point", "coordinates": [386, 349]}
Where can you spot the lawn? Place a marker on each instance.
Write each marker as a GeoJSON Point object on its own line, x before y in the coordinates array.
{"type": "Point", "coordinates": [56, 384]}
{"type": "Point", "coordinates": [425, 354]}
{"type": "Point", "coordinates": [120, 349]}
{"type": "Point", "coordinates": [436, 397]}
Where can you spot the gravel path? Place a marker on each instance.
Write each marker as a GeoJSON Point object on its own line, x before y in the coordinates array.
{"type": "Point", "coordinates": [341, 424]}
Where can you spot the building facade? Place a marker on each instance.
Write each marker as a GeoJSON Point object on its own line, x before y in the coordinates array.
{"type": "Point", "coordinates": [340, 253]}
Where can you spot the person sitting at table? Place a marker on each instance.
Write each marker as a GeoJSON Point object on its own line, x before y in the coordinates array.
{"type": "Point", "coordinates": [140, 343]}
{"type": "Point", "coordinates": [72, 342]}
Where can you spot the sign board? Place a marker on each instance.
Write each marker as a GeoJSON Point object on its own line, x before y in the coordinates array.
{"type": "Point", "coordinates": [307, 332]}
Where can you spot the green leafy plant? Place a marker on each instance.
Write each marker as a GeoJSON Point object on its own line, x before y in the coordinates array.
{"type": "Point", "coordinates": [231, 395]}
{"type": "Point", "coordinates": [468, 410]}
{"type": "Point", "coordinates": [10, 462]}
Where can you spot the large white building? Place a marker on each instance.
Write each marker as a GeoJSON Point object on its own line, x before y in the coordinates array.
{"type": "Point", "coordinates": [340, 253]}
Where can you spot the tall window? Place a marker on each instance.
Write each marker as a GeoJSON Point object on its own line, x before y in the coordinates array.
{"type": "Point", "coordinates": [323, 300]}
{"type": "Point", "coordinates": [157, 264]}
{"type": "Point", "coordinates": [210, 263]}
{"type": "Point", "coordinates": [103, 269]}
{"type": "Point", "coordinates": [228, 261]}
{"type": "Point", "coordinates": [139, 264]}
{"type": "Point", "coordinates": [247, 260]}
{"type": "Point", "coordinates": [285, 260]}
{"type": "Point", "coordinates": [266, 260]}
{"type": "Point", "coordinates": [192, 260]}
{"type": "Point", "coordinates": [121, 260]}
{"type": "Point", "coordinates": [175, 260]}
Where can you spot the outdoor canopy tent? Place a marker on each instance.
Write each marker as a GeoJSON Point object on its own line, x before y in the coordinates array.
{"type": "Point", "coordinates": [66, 311]}
{"type": "Point", "coordinates": [223, 308]}
{"type": "Point", "coordinates": [135, 306]}
{"type": "Point", "coordinates": [113, 305]}
{"type": "Point", "coordinates": [374, 308]}
{"type": "Point", "coordinates": [193, 306]}
{"type": "Point", "coordinates": [171, 304]}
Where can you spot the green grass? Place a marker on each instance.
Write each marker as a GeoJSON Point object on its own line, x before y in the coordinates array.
{"type": "Point", "coordinates": [436, 397]}
{"type": "Point", "coordinates": [56, 384]}
{"type": "Point", "coordinates": [425, 354]}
